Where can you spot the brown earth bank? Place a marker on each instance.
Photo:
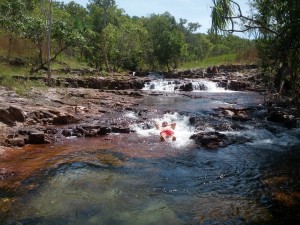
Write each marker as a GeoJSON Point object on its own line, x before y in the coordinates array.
{"type": "Point", "coordinates": [91, 106]}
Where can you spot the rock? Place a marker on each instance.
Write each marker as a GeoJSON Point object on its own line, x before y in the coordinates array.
{"type": "Point", "coordinates": [282, 117]}
{"type": "Point", "coordinates": [236, 85]}
{"type": "Point", "coordinates": [5, 174]}
{"type": "Point", "coordinates": [229, 113]}
{"type": "Point", "coordinates": [16, 113]}
{"type": "Point", "coordinates": [211, 140]}
{"type": "Point", "coordinates": [91, 133]}
{"type": "Point", "coordinates": [104, 130]}
{"type": "Point", "coordinates": [36, 138]}
{"type": "Point", "coordinates": [120, 129]}
{"type": "Point", "coordinates": [187, 87]}
{"type": "Point", "coordinates": [18, 141]}
{"type": "Point", "coordinates": [6, 118]}
{"type": "Point", "coordinates": [67, 133]}
{"type": "Point", "coordinates": [64, 119]}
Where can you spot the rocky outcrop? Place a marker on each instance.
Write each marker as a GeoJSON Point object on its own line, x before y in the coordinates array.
{"type": "Point", "coordinates": [11, 115]}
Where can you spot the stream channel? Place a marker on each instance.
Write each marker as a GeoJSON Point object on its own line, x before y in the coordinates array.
{"type": "Point", "coordinates": [134, 179]}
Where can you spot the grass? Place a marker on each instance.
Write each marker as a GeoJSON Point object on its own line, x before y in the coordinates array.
{"type": "Point", "coordinates": [64, 61]}
{"type": "Point", "coordinates": [211, 61]}
{"type": "Point", "coordinates": [20, 86]}
{"type": "Point", "coordinates": [247, 57]}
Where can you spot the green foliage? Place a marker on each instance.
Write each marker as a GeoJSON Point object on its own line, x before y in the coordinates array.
{"type": "Point", "coordinates": [280, 49]}
{"type": "Point", "coordinates": [222, 10]}
{"type": "Point", "coordinates": [166, 40]}
{"type": "Point", "coordinates": [277, 23]}
{"type": "Point", "coordinates": [103, 36]}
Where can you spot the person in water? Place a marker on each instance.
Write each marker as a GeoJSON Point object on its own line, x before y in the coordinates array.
{"type": "Point", "coordinates": [166, 130]}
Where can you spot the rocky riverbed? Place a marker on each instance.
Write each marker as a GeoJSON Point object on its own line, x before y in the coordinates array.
{"type": "Point", "coordinates": [89, 106]}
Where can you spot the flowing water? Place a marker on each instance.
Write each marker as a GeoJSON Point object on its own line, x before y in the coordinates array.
{"type": "Point", "coordinates": [135, 179]}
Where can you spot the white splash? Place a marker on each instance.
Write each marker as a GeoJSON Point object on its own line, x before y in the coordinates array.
{"type": "Point", "coordinates": [173, 85]}
{"type": "Point", "coordinates": [161, 85]}
{"type": "Point", "coordinates": [264, 139]}
{"type": "Point", "coordinates": [131, 115]}
{"type": "Point", "coordinates": [183, 129]}
{"type": "Point", "coordinates": [205, 85]}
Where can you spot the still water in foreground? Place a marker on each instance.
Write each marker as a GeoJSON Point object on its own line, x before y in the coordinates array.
{"type": "Point", "coordinates": [134, 179]}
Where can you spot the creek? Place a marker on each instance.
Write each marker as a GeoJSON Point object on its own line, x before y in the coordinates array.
{"type": "Point", "coordinates": [136, 179]}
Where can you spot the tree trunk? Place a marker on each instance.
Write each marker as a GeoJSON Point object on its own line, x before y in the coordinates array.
{"type": "Point", "coordinates": [10, 41]}
{"type": "Point", "coordinates": [40, 47]}
{"type": "Point", "coordinates": [49, 26]}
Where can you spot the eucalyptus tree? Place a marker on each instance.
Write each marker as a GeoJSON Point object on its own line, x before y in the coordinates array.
{"type": "Point", "coordinates": [277, 24]}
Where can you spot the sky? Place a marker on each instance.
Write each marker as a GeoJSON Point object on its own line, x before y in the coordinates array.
{"type": "Point", "coordinates": [191, 10]}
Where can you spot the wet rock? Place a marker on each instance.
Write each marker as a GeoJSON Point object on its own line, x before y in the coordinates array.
{"type": "Point", "coordinates": [36, 138]}
{"type": "Point", "coordinates": [282, 117]}
{"type": "Point", "coordinates": [5, 173]}
{"type": "Point", "coordinates": [229, 113]}
{"type": "Point", "coordinates": [236, 85]}
{"type": "Point", "coordinates": [120, 129]}
{"type": "Point", "coordinates": [104, 130]}
{"type": "Point", "coordinates": [64, 119]}
{"type": "Point", "coordinates": [211, 140]}
{"type": "Point", "coordinates": [235, 114]}
{"type": "Point", "coordinates": [186, 87]}
{"type": "Point", "coordinates": [67, 132]}
{"type": "Point", "coordinates": [18, 141]}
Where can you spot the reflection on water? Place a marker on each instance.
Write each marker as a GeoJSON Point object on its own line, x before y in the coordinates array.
{"type": "Point", "coordinates": [135, 179]}
{"type": "Point", "coordinates": [141, 191]}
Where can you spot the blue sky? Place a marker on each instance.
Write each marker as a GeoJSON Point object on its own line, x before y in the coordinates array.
{"type": "Point", "coordinates": [192, 10]}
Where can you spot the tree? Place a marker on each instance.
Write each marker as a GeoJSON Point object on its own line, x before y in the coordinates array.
{"type": "Point", "coordinates": [166, 38]}
{"type": "Point", "coordinates": [12, 15]}
{"type": "Point", "coordinates": [79, 22]}
{"type": "Point", "coordinates": [277, 22]}
{"type": "Point", "coordinates": [130, 41]}
{"type": "Point", "coordinates": [62, 33]}
{"type": "Point", "coordinates": [107, 12]}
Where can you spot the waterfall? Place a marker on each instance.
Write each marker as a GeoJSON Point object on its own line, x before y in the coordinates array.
{"type": "Point", "coordinates": [183, 85]}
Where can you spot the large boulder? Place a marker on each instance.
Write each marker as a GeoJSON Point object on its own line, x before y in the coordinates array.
{"type": "Point", "coordinates": [211, 140]}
